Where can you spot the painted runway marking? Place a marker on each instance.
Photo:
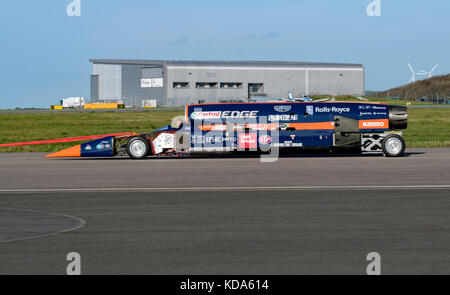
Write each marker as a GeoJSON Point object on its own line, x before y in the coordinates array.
{"type": "Point", "coordinates": [238, 188]}
{"type": "Point", "coordinates": [81, 223]}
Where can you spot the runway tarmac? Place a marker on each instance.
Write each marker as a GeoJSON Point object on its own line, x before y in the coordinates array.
{"type": "Point", "coordinates": [300, 215]}
{"type": "Point", "coordinates": [30, 171]}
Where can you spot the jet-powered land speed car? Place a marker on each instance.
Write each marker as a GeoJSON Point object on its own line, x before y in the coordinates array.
{"type": "Point", "coordinates": [263, 127]}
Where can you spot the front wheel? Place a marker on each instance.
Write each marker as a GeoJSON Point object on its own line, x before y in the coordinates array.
{"type": "Point", "coordinates": [138, 148]}
{"type": "Point", "coordinates": [393, 145]}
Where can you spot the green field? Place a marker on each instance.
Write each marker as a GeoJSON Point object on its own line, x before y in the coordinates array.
{"type": "Point", "coordinates": [29, 127]}
{"type": "Point", "coordinates": [427, 127]}
{"type": "Point", "coordinates": [372, 99]}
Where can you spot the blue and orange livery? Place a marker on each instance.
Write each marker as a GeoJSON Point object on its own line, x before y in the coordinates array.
{"type": "Point", "coordinates": [240, 127]}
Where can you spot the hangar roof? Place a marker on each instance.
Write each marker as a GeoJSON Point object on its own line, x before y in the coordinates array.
{"type": "Point", "coordinates": [198, 63]}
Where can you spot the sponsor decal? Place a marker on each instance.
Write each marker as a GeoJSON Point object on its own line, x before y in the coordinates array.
{"type": "Point", "coordinates": [224, 115]}
{"type": "Point", "coordinates": [239, 114]}
{"type": "Point", "coordinates": [288, 144]}
{"type": "Point", "coordinates": [219, 128]}
{"type": "Point", "coordinates": [265, 139]}
{"type": "Point", "coordinates": [201, 139]}
{"type": "Point", "coordinates": [205, 115]}
{"type": "Point", "coordinates": [88, 148]}
{"type": "Point", "coordinates": [222, 127]}
{"type": "Point", "coordinates": [379, 107]}
{"type": "Point", "coordinates": [248, 141]}
{"type": "Point", "coordinates": [103, 145]}
{"type": "Point", "coordinates": [332, 110]}
{"type": "Point", "coordinates": [365, 114]}
{"type": "Point", "coordinates": [374, 124]}
{"type": "Point", "coordinates": [282, 109]}
{"type": "Point", "coordinates": [283, 117]}
{"type": "Point", "coordinates": [263, 126]}
{"type": "Point", "coordinates": [310, 110]}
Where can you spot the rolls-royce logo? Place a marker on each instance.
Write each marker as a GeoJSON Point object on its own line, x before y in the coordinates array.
{"type": "Point", "coordinates": [282, 109]}
{"type": "Point", "coordinates": [310, 110]}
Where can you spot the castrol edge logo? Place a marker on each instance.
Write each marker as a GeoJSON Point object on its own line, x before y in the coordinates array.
{"type": "Point", "coordinates": [205, 115]}
{"type": "Point", "coordinates": [224, 115]}
{"type": "Point", "coordinates": [368, 124]}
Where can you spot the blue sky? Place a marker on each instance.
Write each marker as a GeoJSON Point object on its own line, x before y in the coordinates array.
{"type": "Point", "coordinates": [45, 53]}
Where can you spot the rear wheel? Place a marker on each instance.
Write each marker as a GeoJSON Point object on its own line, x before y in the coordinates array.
{"type": "Point", "coordinates": [393, 146]}
{"type": "Point", "coordinates": [138, 148]}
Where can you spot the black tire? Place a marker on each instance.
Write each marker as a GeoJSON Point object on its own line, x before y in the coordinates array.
{"type": "Point", "coordinates": [393, 145]}
{"type": "Point", "coordinates": [138, 148]}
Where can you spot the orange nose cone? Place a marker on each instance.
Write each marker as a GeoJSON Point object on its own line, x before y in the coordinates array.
{"type": "Point", "coordinates": [74, 151]}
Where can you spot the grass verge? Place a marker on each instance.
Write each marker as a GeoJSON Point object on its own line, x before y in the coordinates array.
{"type": "Point", "coordinates": [428, 128]}
{"type": "Point", "coordinates": [29, 127]}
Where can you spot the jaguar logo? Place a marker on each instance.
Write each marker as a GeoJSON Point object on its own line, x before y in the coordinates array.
{"type": "Point", "coordinates": [282, 109]}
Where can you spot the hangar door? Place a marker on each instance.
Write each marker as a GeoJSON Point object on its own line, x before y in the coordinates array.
{"type": "Point", "coordinates": [142, 83]}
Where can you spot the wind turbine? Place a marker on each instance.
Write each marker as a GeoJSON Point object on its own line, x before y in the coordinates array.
{"type": "Point", "coordinates": [414, 74]}
{"type": "Point", "coordinates": [430, 72]}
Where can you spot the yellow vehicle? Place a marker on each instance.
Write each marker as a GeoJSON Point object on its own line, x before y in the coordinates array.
{"type": "Point", "coordinates": [56, 107]}
{"type": "Point", "coordinates": [99, 105]}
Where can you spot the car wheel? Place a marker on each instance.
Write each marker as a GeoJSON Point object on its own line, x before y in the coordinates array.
{"type": "Point", "coordinates": [138, 148]}
{"type": "Point", "coordinates": [393, 146]}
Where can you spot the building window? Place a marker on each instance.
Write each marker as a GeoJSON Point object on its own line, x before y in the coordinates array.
{"type": "Point", "coordinates": [206, 85]}
{"type": "Point", "coordinates": [231, 85]}
{"type": "Point", "coordinates": [179, 85]}
{"type": "Point", "coordinates": [255, 88]}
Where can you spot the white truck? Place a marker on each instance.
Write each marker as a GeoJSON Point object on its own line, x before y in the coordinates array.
{"type": "Point", "coordinates": [72, 102]}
